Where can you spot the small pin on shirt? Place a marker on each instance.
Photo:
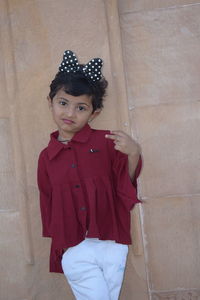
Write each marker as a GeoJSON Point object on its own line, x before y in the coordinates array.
{"type": "Point", "coordinates": [94, 150]}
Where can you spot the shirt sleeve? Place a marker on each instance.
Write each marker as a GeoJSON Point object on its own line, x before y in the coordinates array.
{"type": "Point", "coordinates": [126, 189]}
{"type": "Point", "coordinates": [137, 171]}
{"type": "Point", "coordinates": [45, 196]}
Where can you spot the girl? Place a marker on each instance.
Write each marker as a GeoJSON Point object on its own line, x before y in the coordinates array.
{"type": "Point", "coordinates": [87, 183]}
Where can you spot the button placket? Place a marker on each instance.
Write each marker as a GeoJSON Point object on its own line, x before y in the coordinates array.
{"type": "Point", "coordinates": [73, 165]}
{"type": "Point", "coordinates": [77, 186]}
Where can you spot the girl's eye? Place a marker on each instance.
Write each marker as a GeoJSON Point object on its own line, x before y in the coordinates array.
{"type": "Point", "coordinates": [62, 102]}
{"type": "Point", "coordinates": [81, 108]}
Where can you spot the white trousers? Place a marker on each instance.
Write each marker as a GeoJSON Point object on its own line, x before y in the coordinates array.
{"type": "Point", "coordinates": [94, 269]}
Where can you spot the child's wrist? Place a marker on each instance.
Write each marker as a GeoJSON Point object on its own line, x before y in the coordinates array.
{"type": "Point", "coordinates": [135, 152]}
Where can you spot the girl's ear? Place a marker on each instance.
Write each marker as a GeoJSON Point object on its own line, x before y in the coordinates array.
{"type": "Point", "coordinates": [49, 102]}
{"type": "Point", "coordinates": [94, 114]}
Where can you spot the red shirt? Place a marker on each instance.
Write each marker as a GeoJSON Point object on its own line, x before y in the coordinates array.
{"type": "Point", "coordinates": [84, 188]}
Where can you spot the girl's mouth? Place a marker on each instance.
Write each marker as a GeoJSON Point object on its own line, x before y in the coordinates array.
{"type": "Point", "coordinates": [66, 121]}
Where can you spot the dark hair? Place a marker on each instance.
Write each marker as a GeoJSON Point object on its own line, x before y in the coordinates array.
{"type": "Point", "coordinates": [76, 84]}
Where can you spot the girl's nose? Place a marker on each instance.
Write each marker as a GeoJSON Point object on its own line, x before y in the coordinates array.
{"type": "Point", "coordinates": [70, 110]}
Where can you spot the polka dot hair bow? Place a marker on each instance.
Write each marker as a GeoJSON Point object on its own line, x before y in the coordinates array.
{"type": "Point", "coordinates": [92, 70]}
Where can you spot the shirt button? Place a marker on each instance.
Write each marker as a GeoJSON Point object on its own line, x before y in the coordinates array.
{"type": "Point", "coordinates": [73, 165]}
{"type": "Point", "coordinates": [77, 186]}
{"type": "Point", "coordinates": [83, 208]}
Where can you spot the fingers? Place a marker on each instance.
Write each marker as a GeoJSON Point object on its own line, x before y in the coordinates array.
{"type": "Point", "coordinates": [123, 142]}
{"type": "Point", "coordinates": [110, 136]}
{"type": "Point", "coordinates": [117, 147]}
{"type": "Point", "coordinates": [116, 139]}
{"type": "Point", "coordinates": [118, 132]}
{"type": "Point", "coordinates": [116, 135]}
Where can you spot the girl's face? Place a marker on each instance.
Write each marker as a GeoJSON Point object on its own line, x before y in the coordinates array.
{"type": "Point", "coordinates": [71, 113]}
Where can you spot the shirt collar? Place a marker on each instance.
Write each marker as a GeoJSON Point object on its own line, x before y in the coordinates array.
{"type": "Point", "coordinates": [54, 146]}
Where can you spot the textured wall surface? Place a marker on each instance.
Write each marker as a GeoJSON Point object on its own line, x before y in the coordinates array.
{"type": "Point", "coordinates": [161, 57]}
{"type": "Point", "coordinates": [153, 93]}
{"type": "Point", "coordinates": [33, 37]}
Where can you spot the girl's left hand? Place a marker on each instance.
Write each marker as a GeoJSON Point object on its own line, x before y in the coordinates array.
{"type": "Point", "coordinates": [123, 142]}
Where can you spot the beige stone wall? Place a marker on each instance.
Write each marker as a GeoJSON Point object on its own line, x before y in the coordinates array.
{"type": "Point", "coordinates": [153, 93]}
{"type": "Point", "coordinates": [33, 36]}
{"type": "Point", "coordinates": [161, 58]}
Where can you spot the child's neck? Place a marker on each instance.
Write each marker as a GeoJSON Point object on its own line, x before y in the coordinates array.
{"type": "Point", "coordinates": [64, 136]}
{"type": "Point", "coordinates": [63, 140]}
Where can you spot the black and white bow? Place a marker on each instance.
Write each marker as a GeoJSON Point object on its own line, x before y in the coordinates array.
{"type": "Point", "coordinates": [92, 69]}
